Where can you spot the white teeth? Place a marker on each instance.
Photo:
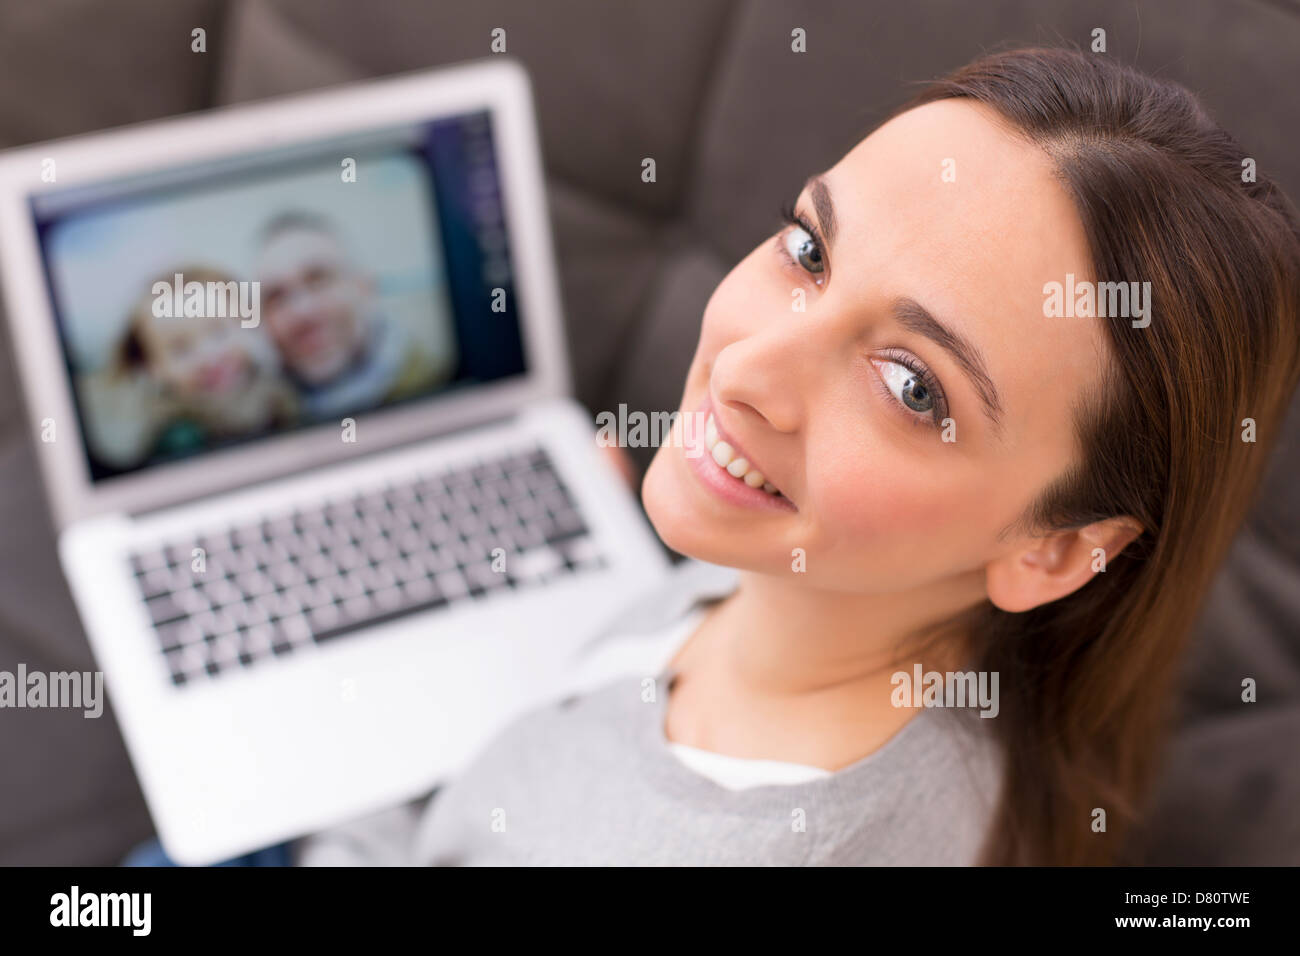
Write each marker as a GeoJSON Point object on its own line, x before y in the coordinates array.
{"type": "Point", "coordinates": [725, 457]}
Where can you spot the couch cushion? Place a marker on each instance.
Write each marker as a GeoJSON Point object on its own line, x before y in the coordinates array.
{"type": "Point", "coordinates": [609, 59]}
{"type": "Point", "coordinates": [774, 116]}
{"type": "Point", "coordinates": [82, 65]}
{"type": "Point", "coordinates": [1227, 795]}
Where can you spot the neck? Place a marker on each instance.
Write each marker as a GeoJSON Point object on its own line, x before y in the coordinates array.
{"type": "Point", "coordinates": [781, 670]}
{"type": "Point", "coordinates": [780, 637]}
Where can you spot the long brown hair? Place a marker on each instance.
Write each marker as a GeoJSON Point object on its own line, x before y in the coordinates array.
{"type": "Point", "coordinates": [1087, 681]}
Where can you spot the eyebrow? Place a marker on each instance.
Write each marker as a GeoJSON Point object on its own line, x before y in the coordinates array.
{"type": "Point", "coordinates": [822, 205]}
{"type": "Point", "coordinates": [914, 317]}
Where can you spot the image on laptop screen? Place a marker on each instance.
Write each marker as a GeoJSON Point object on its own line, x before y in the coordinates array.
{"type": "Point", "coordinates": [226, 302]}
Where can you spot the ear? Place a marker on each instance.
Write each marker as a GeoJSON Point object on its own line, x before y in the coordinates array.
{"type": "Point", "coordinates": [1050, 567]}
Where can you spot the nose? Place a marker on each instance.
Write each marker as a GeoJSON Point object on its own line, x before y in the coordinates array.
{"type": "Point", "coordinates": [764, 374]}
{"type": "Point", "coordinates": [299, 302]}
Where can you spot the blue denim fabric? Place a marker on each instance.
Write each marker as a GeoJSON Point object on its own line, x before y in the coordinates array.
{"type": "Point", "coordinates": [151, 853]}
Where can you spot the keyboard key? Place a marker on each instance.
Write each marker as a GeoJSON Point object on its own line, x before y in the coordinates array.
{"type": "Point", "coordinates": [388, 599]}
{"type": "Point", "coordinates": [287, 575]}
{"type": "Point", "coordinates": [211, 623]}
{"type": "Point", "coordinates": [339, 511]}
{"type": "Point", "coordinates": [179, 552]}
{"type": "Point", "coordinates": [464, 552]}
{"type": "Point", "coordinates": [239, 562]}
{"type": "Point", "coordinates": [482, 578]}
{"type": "Point", "coordinates": [379, 549]}
{"type": "Point", "coordinates": [214, 541]}
{"type": "Point", "coordinates": [224, 650]}
{"type": "Point", "coordinates": [220, 592]}
{"type": "Point", "coordinates": [438, 560]}
{"type": "Point", "coordinates": [358, 608]}
{"type": "Point", "coordinates": [247, 535]}
{"type": "Point", "coordinates": [257, 640]}
{"type": "Point", "coordinates": [565, 524]}
{"type": "Point", "coordinates": [420, 591]}
{"type": "Point", "coordinates": [438, 532]}
{"type": "Point", "coordinates": [529, 537]}
{"type": "Point", "coordinates": [253, 583]}
{"type": "Point", "coordinates": [162, 609]}
{"type": "Point", "coordinates": [177, 662]}
{"type": "Point", "coordinates": [279, 528]}
{"type": "Point", "coordinates": [278, 604]}
{"type": "Point", "coordinates": [451, 584]}
{"type": "Point", "coordinates": [310, 520]}
{"type": "Point", "coordinates": [176, 634]}
{"type": "Point", "coordinates": [533, 566]}
{"type": "Point", "coordinates": [311, 595]}
{"type": "Point", "coordinates": [376, 578]}
{"type": "Point", "coordinates": [192, 601]}
{"type": "Point", "coordinates": [410, 604]}
{"type": "Point", "coordinates": [156, 582]}
{"type": "Point", "coordinates": [348, 558]}
{"type": "Point", "coordinates": [324, 618]}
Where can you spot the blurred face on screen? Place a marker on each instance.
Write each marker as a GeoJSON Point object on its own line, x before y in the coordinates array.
{"type": "Point", "coordinates": [313, 303]}
{"type": "Point", "coordinates": [198, 360]}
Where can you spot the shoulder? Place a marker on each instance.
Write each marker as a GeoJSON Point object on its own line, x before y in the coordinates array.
{"type": "Point", "coordinates": [545, 770]}
{"type": "Point", "coordinates": [561, 735]}
{"type": "Point", "coordinates": [934, 791]}
{"type": "Point", "coordinates": [415, 374]}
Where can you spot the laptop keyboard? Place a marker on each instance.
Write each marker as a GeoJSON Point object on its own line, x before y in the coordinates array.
{"type": "Point", "coordinates": [284, 581]}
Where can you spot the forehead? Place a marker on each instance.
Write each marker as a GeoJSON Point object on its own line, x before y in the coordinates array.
{"type": "Point", "coordinates": [168, 331]}
{"type": "Point", "coordinates": [293, 247]}
{"type": "Point", "coordinates": [945, 205]}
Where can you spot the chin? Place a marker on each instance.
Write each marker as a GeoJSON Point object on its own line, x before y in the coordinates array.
{"type": "Point", "coordinates": [685, 529]}
{"type": "Point", "coordinates": [319, 374]}
{"type": "Point", "coordinates": [662, 505]}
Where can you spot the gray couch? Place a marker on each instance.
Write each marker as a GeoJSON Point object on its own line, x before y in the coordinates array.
{"type": "Point", "coordinates": [735, 121]}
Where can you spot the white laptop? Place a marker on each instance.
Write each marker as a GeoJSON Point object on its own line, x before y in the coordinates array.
{"type": "Point", "coordinates": [296, 376]}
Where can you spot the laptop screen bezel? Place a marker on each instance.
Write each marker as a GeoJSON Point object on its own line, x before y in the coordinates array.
{"type": "Point", "coordinates": [499, 85]}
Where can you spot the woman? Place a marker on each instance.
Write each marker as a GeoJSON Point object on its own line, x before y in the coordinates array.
{"type": "Point", "coordinates": [179, 384]}
{"type": "Point", "coordinates": [919, 466]}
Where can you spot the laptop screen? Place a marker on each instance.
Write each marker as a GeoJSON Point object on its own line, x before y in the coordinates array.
{"type": "Point", "coordinates": [228, 302]}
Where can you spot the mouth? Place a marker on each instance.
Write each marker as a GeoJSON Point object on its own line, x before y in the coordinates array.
{"type": "Point", "coordinates": [725, 468]}
{"type": "Point", "coordinates": [221, 377]}
{"type": "Point", "coordinates": [310, 339]}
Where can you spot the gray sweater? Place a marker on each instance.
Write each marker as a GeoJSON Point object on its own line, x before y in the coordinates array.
{"type": "Point", "coordinates": [590, 780]}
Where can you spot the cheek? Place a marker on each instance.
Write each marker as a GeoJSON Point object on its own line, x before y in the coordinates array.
{"type": "Point", "coordinates": [866, 499]}
{"type": "Point", "coordinates": [896, 519]}
{"type": "Point", "coordinates": [741, 300]}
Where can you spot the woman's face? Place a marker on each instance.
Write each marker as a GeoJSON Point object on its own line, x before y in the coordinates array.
{"type": "Point", "coordinates": [199, 359]}
{"type": "Point", "coordinates": [921, 400]}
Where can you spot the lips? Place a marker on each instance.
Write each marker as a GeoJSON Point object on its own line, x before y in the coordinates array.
{"type": "Point", "coordinates": [310, 338]}
{"type": "Point", "coordinates": [730, 457]}
{"type": "Point", "coordinates": [726, 467]}
{"type": "Point", "coordinates": [221, 376]}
